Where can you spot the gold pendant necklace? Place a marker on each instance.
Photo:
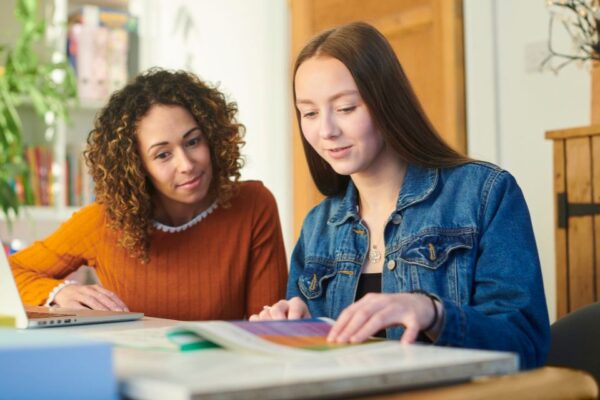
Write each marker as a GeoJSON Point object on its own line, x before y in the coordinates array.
{"type": "Point", "coordinates": [374, 255]}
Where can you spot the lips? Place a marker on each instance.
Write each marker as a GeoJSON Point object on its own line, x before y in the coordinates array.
{"type": "Point", "coordinates": [338, 149]}
{"type": "Point", "coordinates": [191, 182]}
{"type": "Point", "coordinates": [339, 152]}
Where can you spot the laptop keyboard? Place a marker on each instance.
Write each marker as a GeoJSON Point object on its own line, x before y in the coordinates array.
{"type": "Point", "coordinates": [33, 314]}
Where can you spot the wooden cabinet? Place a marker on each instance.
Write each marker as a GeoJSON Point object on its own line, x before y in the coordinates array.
{"type": "Point", "coordinates": [577, 216]}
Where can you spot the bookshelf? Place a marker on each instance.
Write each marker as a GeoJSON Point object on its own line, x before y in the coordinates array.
{"type": "Point", "coordinates": [60, 142]}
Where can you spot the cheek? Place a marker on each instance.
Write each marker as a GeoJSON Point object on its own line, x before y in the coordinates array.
{"type": "Point", "coordinates": [369, 134]}
{"type": "Point", "coordinates": [157, 174]}
{"type": "Point", "coordinates": [204, 156]}
{"type": "Point", "coordinates": [310, 133]}
{"type": "Point", "coordinates": [149, 169]}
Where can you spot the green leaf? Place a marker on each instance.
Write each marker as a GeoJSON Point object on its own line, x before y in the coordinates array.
{"type": "Point", "coordinates": [25, 76]}
{"type": "Point", "coordinates": [26, 9]}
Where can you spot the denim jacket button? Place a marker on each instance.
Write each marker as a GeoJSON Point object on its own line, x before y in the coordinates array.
{"type": "Point", "coordinates": [396, 219]}
{"type": "Point", "coordinates": [391, 264]}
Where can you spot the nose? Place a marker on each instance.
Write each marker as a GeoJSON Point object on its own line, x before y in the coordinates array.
{"type": "Point", "coordinates": [184, 162]}
{"type": "Point", "coordinates": [328, 128]}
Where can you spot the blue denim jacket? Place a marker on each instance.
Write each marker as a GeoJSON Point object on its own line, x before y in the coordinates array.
{"type": "Point", "coordinates": [463, 234]}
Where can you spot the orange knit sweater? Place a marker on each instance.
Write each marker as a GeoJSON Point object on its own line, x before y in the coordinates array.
{"type": "Point", "coordinates": [226, 266]}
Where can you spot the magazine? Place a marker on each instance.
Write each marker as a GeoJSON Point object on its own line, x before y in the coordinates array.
{"type": "Point", "coordinates": [303, 337]}
{"type": "Point", "coordinates": [285, 337]}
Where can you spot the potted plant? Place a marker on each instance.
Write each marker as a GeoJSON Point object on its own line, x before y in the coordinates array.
{"type": "Point", "coordinates": [47, 85]}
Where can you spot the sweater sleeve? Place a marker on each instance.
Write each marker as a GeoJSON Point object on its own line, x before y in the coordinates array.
{"type": "Point", "coordinates": [267, 275]}
{"type": "Point", "coordinates": [42, 266]}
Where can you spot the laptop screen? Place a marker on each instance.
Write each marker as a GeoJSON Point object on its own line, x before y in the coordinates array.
{"type": "Point", "coordinates": [10, 300]}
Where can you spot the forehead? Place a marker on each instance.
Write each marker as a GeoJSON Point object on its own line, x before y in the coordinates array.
{"type": "Point", "coordinates": [164, 119]}
{"type": "Point", "coordinates": [322, 76]}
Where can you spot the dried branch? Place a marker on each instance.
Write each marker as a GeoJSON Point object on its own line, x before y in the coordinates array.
{"type": "Point", "coordinates": [581, 21]}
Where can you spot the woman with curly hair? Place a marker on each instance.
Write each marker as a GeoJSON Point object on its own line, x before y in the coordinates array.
{"type": "Point", "coordinates": [173, 232]}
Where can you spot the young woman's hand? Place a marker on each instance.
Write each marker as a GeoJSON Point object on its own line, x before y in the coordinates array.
{"type": "Point", "coordinates": [94, 297]}
{"type": "Point", "coordinates": [377, 311]}
{"type": "Point", "coordinates": [293, 308]}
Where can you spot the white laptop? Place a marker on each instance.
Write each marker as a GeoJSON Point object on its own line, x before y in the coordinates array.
{"type": "Point", "coordinates": [43, 317]}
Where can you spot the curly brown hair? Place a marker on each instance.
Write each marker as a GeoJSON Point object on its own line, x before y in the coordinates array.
{"type": "Point", "coordinates": [121, 183]}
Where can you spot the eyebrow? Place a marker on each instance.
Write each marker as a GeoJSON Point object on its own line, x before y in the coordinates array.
{"type": "Point", "coordinates": [163, 143]}
{"type": "Point", "coordinates": [332, 98]}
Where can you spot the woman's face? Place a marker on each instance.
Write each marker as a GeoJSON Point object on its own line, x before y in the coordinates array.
{"type": "Point", "coordinates": [334, 118]}
{"type": "Point", "coordinates": [176, 156]}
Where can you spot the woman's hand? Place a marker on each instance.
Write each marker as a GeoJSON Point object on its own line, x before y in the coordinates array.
{"type": "Point", "coordinates": [293, 308]}
{"type": "Point", "coordinates": [94, 297]}
{"type": "Point", "coordinates": [378, 311]}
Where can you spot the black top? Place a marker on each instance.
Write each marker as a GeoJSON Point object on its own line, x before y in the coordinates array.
{"type": "Point", "coordinates": [369, 283]}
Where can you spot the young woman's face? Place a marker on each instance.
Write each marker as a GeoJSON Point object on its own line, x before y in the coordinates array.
{"type": "Point", "coordinates": [334, 118]}
{"type": "Point", "coordinates": [176, 156]}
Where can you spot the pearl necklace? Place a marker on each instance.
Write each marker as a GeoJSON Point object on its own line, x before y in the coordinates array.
{"type": "Point", "coordinates": [189, 224]}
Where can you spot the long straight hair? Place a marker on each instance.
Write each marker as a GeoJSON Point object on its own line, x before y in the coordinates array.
{"type": "Point", "coordinates": [389, 97]}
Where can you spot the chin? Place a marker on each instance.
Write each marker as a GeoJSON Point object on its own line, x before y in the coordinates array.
{"type": "Point", "coordinates": [343, 170]}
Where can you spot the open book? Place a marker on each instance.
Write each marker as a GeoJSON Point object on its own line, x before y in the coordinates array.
{"type": "Point", "coordinates": [288, 337]}
{"type": "Point", "coordinates": [300, 337]}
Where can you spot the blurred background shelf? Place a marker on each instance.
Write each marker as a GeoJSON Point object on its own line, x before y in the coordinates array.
{"type": "Point", "coordinates": [95, 36]}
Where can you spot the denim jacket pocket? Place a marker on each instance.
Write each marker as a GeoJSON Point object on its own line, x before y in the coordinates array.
{"type": "Point", "coordinates": [314, 278]}
{"type": "Point", "coordinates": [433, 248]}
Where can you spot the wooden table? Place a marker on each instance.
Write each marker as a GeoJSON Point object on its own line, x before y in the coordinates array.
{"type": "Point", "coordinates": [546, 383]}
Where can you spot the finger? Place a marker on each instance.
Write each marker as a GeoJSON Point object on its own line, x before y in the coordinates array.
{"type": "Point", "coordinates": [345, 317]}
{"type": "Point", "coordinates": [377, 321]}
{"type": "Point", "coordinates": [95, 300]}
{"type": "Point", "coordinates": [278, 313]}
{"type": "Point", "coordinates": [264, 315]}
{"type": "Point", "coordinates": [298, 312]}
{"type": "Point", "coordinates": [75, 305]}
{"type": "Point", "coordinates": [278, 310]}
{"type": "Point", "coordinates": [410, 321]}
{"type": "Point", "coordinates": [120, 306]}
{"type": "Point", "coordinates": [411, 332]}
{"type": "Point", "coordinates": [297, 309]}
{"type": "Point", "coordinates": [92, 303]}
{"type": "Point", "coordinates": [340, 323]}
{"type": "Point", "coordinates": [254, 318]}
{"type": "Point", "coordinates": [355, 322]}
{"type": "Point", "coordinates": [100, 295]}
{"type": "Point", "coordinates": [107, 302]}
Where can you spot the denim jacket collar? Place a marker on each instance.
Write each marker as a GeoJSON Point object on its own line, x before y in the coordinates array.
{"type": "Point", "coordinates": [418, 184]}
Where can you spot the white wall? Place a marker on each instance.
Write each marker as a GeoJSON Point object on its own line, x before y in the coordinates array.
{"type": "Point", "coordinates": [243, 46]}
{"type": "Point", "coordinates": [509, 109]}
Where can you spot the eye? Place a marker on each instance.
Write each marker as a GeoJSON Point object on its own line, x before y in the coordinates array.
{"type": "Point", "coordinates": [162, 155]}
{"type": "Point", "coordinates": [194, 141]}
{"type": "Point", "coordinates": [347, 110]}
{"type": "Point", "coordinates": [309, 114]}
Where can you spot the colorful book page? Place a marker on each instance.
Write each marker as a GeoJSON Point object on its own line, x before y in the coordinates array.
{"type": "Point", "coordinates": [307, 334]}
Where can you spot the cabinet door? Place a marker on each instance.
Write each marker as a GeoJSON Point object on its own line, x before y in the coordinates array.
{"type": "Point", "coordinates": [577, 190]}
{"type": "Point", "coordinates": [580, 229]}
{"type": "Point", "coordinates": [427, 37]}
